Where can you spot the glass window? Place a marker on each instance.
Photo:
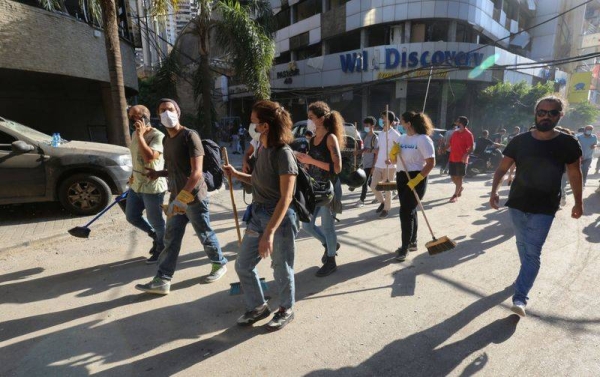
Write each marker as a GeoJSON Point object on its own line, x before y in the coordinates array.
{"type": "Point", "coordinates": [6, 141]}
{"type": "Point", "coordinates": [284, 57]}
{"type": "Point", "coordinates": [308, 52]}
{"type": "Point", "coordinates": [347, 42]}
{"type": "Point", "coordinates": [307, 8]}
{"type": "Point", "coordinates": [283, 18]}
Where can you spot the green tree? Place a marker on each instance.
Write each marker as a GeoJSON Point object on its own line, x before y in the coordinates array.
{"type": "Point", "coordinates": [106, 11]}
{"type": "Point", "coordinates": [580, 115]}
{"type": "Point", "coordinates": [162, 84]}
{"type": "Point", "coordinates": [505, 104]}
{"type": "Point", "coordinates": [245, 29]}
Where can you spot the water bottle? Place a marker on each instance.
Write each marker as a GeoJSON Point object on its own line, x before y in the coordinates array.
{"type": "Point", "coordinates": [55, 139]}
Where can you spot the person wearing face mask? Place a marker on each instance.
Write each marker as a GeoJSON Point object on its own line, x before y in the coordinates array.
{"type": "Point", "coordinates": [588, 142]}
{"type": "Point", "coordinates": [250, 154]}
{"type": "Point", "coordinates": [541, 156]}
{"type": "Point", "coordinates": [183, 153]}
{"type": "Point", "coordinates": [324, 162]}
{"type": "Point", "coordinates": [273, 224]}
{"type": "Point", "coordinates": [370, 144]}
{"type": "Point", "coordinates": [418, 153]}
{"type": "Point", "coordinates": [144, 193]}
{"type": "Point", "coordinates": [461, 145]}
{"type": "Point", "coordinates": [384, 169]}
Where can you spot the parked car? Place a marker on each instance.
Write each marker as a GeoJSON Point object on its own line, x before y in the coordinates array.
{"type": "Point", "coordinates": [83, 176]}
{"type": "Point", "coordinates": [352, 139]}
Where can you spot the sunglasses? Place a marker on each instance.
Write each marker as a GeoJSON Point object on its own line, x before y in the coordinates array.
{"type": "Point", "coordinates": [552, 113]}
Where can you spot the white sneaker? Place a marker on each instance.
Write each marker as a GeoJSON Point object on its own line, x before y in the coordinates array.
{"type": "Point", "coordinates": [360, 204]}
{"type": "Point", "coordinates": [217, 272]}
{"type": "Point", "coordinates": [563, 201]}
{"type": "Point", "coordinates": [518, 308]}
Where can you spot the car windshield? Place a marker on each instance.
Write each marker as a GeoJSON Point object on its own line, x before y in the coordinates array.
{"type": "Point", "coordinates": [27, 132]}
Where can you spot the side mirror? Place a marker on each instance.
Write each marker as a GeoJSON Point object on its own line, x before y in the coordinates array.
{"type": "Point", "coordinates": [20, 146]}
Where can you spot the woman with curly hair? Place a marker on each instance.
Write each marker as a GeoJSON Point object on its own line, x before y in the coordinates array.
{"type": "Point", "coordinates": [324, 162]}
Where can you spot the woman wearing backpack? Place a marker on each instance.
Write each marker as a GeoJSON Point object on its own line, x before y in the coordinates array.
{"type": "Point", "coordinates": [324, 162]}
{"type": "Point", "coordinates": [273, 226]}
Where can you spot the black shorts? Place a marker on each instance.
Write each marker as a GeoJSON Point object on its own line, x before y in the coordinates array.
{"type": "Point", "coordinates": [457, 169]}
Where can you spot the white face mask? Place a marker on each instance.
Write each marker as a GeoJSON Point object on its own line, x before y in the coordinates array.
{"type": "Point", "coordinates": [588, 132]}
{"type": "Point", "coordinates": [311, 126]}
{"type": "Point", "coordinates": [367, 129]}
{"type": "Point", "coordinates": [169, 119]}
{"type": "Point", "coordinates": [255, 135]}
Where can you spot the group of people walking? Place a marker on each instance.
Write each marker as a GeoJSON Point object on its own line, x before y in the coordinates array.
{"type": "Point", "coordinates": [273, 224]}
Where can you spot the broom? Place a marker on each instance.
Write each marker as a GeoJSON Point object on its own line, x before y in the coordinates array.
{"type": "Point", "coordinates": [387, 185]}
{"type": "Point", "coordinates": [235, 214]}
{"type": "Point", "coordinates": [437, 245]}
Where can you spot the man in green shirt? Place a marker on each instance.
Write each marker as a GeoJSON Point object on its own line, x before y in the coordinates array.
{"type": "Point", "coordinates": [146, 152]}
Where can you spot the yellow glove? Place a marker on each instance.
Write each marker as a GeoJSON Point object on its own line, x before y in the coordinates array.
{"type": "Point", "coordinates": [394, 151]}
{"type": "Point", "coordinates": [415, 181]}
{"type": "Point", "coordinates": [179, 205]}
{"type": "Point", "coordinates": [185, 197]}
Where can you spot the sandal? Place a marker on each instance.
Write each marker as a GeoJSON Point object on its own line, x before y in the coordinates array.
{"type": "Point", "coordinates": [453, 199]}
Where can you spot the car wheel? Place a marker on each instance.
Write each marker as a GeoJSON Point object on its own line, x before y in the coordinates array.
{"type": "Point", "coordinates": [84, 194]}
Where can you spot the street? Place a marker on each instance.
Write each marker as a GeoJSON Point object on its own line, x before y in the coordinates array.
{"type": "Point", "coordinates": [69, 306]}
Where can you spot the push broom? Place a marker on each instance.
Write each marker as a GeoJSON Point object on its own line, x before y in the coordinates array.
{"type": "Point", "coordinates": [386, 185]}
{"type": "Point", "coordinates": [84, 231]}
{"type": "Point", "coordinates": [235, 214]}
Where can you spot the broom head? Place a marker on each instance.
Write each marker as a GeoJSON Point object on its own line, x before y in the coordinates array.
{"type": "Point", "coordinates": [80, 232]}
{"type": "Point", "coordinates": [386, 186]}
{"type": "Point", "coordinates": [440, 245]}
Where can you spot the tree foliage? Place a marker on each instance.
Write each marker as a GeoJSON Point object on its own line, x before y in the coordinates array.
{"type": "Point", "coordinates": [580, 115]}
{"type": "Point", "coordinates": [505, 104]}
{"type": "Point", "coordinates": [161, 85]}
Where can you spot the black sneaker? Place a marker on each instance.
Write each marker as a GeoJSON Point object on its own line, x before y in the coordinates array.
{"type": "Point", "coordinates": [328, 268]}
{"type": "Point", "coordinates": [383, 214]}
{"type": "Point", "coordinates": [413, 246]}
{"type": "Point", "coordinates": [379, 209]}
{"type": "Point", "coordinates": [281, 318]}
{"type": "Point", "coordinates": [254, 315]}
{"type": "Point", "coordinates": [153, 258]}
{"type": "Point", "coordinates": [324, 257]}
{"type": "Point", "coordinates": [401, 254]}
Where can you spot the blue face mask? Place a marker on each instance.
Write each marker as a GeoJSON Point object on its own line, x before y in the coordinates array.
{"type": "Point", "coordinates": [380, 122]}
{"type": "Point", "coordinates": [401, 129]}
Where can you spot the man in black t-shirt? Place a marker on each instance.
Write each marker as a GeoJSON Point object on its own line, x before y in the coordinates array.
{"type": "Point", "coordinates": [540, 156]}
{"type": "Point", "coordinates": [483, 142]}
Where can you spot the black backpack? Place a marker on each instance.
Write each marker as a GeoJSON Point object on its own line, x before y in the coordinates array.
{"type": "Point", "coordinates": [304, 200]}
{"type": "Point", "coordinates": [211, 165]}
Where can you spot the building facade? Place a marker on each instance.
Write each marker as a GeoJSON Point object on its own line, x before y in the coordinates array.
{"type": "Point", "coordinates": [362, 55]}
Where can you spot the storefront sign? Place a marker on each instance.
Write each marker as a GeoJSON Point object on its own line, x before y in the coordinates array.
{"type": "Point", "coordinates": [357, 62]}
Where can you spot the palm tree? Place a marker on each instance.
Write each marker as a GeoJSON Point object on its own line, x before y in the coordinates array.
{"type": "Point", "coordinates": [245, 30]}
{"type": "Point", "coordinates": [118, 131]}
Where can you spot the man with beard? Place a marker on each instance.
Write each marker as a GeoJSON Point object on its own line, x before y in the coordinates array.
{"type": "Point", "coordinates": [540, 156]}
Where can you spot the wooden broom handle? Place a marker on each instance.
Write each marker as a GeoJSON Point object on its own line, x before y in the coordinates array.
{"type": "Point", "coordinates": [387, 146]}
{"type": "Point", "coordinates": [235, 214]}
{"type": "Point", "coordinates": [416, 196]}
{"type": "Point", "coordinates": [355, 147]}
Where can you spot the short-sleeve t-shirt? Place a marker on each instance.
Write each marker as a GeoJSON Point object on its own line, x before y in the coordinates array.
{"type": "Point", "coordinates": [384, 152]}
{"type": "Point", "coordinates": [460, 143]}
{"type": "Point", "coordinates": [371, 143]}
{"type": "Point", "coordinates": [270, 164]}
{"type": "Point", "coordinates": [481, 145]}
{"type": "Point", "coordinates": [142, 184]}
{"type": "Point", "coordinates": [415, 150]}
{"type": "Point", "coordinates": [586, 145]}
{"type": "Point", "coordinates": [178, 152]}
{"type": "Point", "coordinates": [540, 166]}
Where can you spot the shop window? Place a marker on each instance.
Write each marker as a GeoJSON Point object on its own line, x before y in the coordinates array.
{"type": "Point", "coordinates": [348, 42]}
{"type": "Point", "coordinates": [306, 9]}
{"type": "Point", "coordinates": [437, 31]}
{"type": "Point", "coordinates": [378, 36]}
{"type": "Point", "coordinates": [465, 33]}
{"type": "Point", "coordinates": [283, 18]}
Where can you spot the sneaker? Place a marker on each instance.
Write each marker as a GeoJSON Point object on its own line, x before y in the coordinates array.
{"type": "Point", "coordinates": [324, 257]}
{"type": "Point", "coordinates": [281, 318]}
{"type": "Point", "coordinates": [380, 208]}
{"type": "Point", "coordinates": [157, 286]}
{"type": "Point", "coordinates": [328, 268]}
{"type": "Point", "coordinates": [217, 272]}
{"type": "Point", "coordinates": [255, 315]}
{"type": "Point", "coordinates": [360, 204]}
{"type": "Point", "coordinates": [401, 254]}
{"type": "Point", "coordinates": [153, 258]}
{"type": "Point", "coordinates": [413, 247]}
{"type": "Point", "coordinates": [383, 214]}
{"type": "Point", "coordinates": [563, 201]}
{"type": "Point", "coordinates": [518, 308]}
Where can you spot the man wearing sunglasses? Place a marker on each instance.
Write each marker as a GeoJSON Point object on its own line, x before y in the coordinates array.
{"type": "Point", "coordinates": [540, 156]}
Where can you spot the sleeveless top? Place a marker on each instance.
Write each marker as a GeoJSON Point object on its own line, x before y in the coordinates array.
{"type": "Point", "coordinates": [320, 152]}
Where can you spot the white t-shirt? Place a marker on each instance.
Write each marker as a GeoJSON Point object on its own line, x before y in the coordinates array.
{"type": "Point", "coordinates": [391, 138]}
{"type": "Point", "coordinates": [415, 149]}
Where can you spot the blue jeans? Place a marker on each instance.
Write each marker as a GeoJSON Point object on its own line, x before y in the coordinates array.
{"type": "Point", "coordinates": [135, 205]}
{"type": "Point", "coordinates": [327, 235]}
{"type": "Point", "coordinates": [531, 230]}
{"type": "Point", "coordinates": [198, 215]}
{"type": "Point", "coordinates": [284, 250]}
{"type": "Point", "coordinates": [585, 167]}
